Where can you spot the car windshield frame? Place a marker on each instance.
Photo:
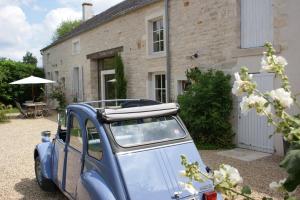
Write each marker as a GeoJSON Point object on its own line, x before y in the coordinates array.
{"type": "Point", "coordinates": [179, 123]}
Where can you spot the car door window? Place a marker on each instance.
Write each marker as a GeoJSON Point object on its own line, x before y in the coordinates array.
{"type": "Point", "coordinates": [93, 139]}
{"type": "Point", "coordinates": [75, 134]}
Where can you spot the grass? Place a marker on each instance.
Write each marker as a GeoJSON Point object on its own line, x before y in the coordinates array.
{"type": "Point", "coordinates": [12, 110]}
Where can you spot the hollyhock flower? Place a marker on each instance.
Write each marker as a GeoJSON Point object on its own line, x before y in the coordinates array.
{"type": "Point", "coordinates": [257, 102]}
{"type": "Point", "coordinates": [282, 96]}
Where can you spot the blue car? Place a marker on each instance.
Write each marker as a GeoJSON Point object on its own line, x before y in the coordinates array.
{"type": "Point", "coordinates": [122, 150]}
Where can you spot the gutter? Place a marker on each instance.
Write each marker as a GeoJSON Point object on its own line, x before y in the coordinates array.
{"type": "Point", "coordinates": [168, 58]}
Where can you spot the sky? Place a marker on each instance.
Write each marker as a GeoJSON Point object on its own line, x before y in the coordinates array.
{"type": "Point", "coordinates": [28, 25]}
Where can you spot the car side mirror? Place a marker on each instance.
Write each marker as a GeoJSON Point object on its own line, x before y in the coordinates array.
{"type": "Point", "coordinates": [62, 119]}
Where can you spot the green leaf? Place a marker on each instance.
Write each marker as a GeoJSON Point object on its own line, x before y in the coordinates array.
{"type": "Point", "coordinates": [291, 164]}
{"type": "Point", "coordinates": [246, 190]}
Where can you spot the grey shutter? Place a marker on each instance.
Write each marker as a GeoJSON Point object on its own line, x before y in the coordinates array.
{"type": "Point", "coordinates": [256, 23]}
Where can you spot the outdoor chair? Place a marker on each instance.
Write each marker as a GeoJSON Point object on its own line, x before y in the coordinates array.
{"type": "Point", "coordinates": [24, 113]}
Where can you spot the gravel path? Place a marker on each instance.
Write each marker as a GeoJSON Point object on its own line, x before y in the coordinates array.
{"type": "Point", "coordinates": [17, 180]}
{"type": "Point", "coordinates": [17, 141]}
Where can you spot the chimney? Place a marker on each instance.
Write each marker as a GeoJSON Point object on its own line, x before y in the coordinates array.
{"type": "Point", "coordinates": [87, 11]}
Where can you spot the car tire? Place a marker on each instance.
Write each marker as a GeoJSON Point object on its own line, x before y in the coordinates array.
{"type": "Point", "coordinates": [44, 183]}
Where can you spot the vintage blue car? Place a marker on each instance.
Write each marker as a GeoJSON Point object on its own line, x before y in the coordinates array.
{"type": "Point", "coordinates": [128, 151]}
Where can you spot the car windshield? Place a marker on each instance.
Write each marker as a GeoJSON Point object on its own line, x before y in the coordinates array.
{"type": "Point", "coordinates": [136, 132]}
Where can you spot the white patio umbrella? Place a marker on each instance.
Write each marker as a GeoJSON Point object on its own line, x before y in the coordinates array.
{"type": "Point", "coordinates": [31, 80]}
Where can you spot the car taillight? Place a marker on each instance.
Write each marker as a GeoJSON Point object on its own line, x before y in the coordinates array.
{"type": "Point", "coordinates": [210, 196]}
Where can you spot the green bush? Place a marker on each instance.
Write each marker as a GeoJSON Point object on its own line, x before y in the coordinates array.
{"type": "Point", "coordinates": [58, 94]}
{"type": "Point", "coordinates": [206, 108]}
{"type": "Point", "coordinates": [11, 71]}
{"type": "Point", "coordinates": [3, 112]}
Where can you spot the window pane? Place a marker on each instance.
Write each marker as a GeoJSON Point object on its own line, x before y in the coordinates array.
{"type": "Point", "coordinates": [161, 35]}
{"type": "Point", "coordinates": [154, 25]}
{"type": "Point", "coordinates": [76, 134]}
{"type": "Point", "coordinates": [163, 81]}
{"type": "Point", "coordinates": [161, 46]}
{"type": "Point", "coordinates": [157, 81]}
{"type": "Point", "coordinates": [146, 130]}
{"type": "Point", "coordinates": [155, 36]}
{"type": "Point", "coordinates": [156, 47]}
{"type": "Point", "coordinates": [94, 143]}
{"type": "Point", "coordinates": [161, 24]}
{"type": "Point", "coordinates": [158, 95]}
{"type": "Point", "coordinates": [163, 96]}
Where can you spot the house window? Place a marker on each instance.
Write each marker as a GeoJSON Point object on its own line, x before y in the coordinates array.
{"type": "Point", "coordinates": [158, 35]}
{"type": "Point", "coordinates": [182, 86]}
{"type": "Point", "coordinates": [75, 84]}
{"type": "Point", "coordinates": [75, 47]}
{"type": "Point", "coordinates": [160, 87]}
{"type": "Point", "coordinates": [256, 23]}
{"type": "Point", "coordinates": [48, 58]}
{"type": "Point", "coordinates": [56, 76]}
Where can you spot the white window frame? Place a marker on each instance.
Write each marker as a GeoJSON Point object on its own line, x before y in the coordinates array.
{"type": "Point", "coordinates": [103, 73]}
{"type": "Point", "coordinates": [154, 88]}
{"type": "Point", "coordinates": [149, 34]}
{"type": "Point", "coordinates": [75, 51]}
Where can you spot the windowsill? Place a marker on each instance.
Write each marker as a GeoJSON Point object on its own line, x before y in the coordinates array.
{"type": "Point", "coordinates": [156, 55]}
{"type": "Point", "coordinates": [256, 51]}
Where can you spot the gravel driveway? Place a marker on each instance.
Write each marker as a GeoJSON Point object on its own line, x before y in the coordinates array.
{"type": "Point", "coordinates": [17, 141]}
{"type": "Point", "coordinates": [17, 180]}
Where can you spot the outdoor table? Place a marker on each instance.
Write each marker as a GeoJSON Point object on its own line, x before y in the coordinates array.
{"type": "Point", "coordinates": [37, 107]}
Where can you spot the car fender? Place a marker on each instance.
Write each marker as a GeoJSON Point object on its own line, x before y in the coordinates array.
{"type": "Point", "coordinates": [44, 151]}
{"type": "Point", "coordinates": [92, 186]}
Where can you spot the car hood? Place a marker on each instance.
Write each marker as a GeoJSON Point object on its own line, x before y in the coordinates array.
{"type": "Point", "coordinates": [154, 173]}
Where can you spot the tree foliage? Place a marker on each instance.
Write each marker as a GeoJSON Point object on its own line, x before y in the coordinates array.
{"type": "Point", "coordinates": [65, 27]}
{"type": "Point", "coordinates": [121, 83]}
{"type": "Point", "coordinates": [11, 71]}
{"type": "Point", "coordinates": [206, 108]}
{"type": "Point", "coordinates": [30, 59]}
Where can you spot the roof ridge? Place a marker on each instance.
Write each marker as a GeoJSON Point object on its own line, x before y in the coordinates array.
{"type": "Point", "coordinates": [109, 14]}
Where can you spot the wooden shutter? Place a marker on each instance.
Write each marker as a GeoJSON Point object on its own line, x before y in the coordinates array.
{"type": "Point", "coordinates": [256, 23]}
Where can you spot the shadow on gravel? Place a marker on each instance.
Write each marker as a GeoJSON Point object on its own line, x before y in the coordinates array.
{"type": "Point", "coordinates": [30, 190]}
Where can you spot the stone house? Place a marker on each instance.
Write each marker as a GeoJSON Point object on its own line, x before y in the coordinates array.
{"type": "Point", "coordinates": [160, 39]}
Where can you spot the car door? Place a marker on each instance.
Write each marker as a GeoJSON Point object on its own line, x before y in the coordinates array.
{"type": "Point", "coordinates": [73, 155]}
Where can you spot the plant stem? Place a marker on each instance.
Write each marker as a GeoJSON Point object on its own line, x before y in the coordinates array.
{"type": "Point", "coordinates": [238, 193]}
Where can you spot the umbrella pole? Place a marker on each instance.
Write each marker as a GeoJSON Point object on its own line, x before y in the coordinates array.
{"type": "Point", "coordinates": [32, 92]}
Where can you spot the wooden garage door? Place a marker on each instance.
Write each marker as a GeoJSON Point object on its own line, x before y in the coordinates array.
{"type": "Point", "coordinates": [253, 130]}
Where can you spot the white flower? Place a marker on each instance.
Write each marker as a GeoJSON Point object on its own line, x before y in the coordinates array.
{"type": "Point", "coordinates": [189, 187]}
{"type": "Point", "coordinates": [254, 101]}
{"type": "Point", "coordinates": [277, 186]}
{"type": "Point", "coordinates": [239, 85]}
{"type": "Point", "coordinates": [219, 176]}
{"type": "Point", "coordinates": [236, 89]}
{"type": "Point", "coordinates": [265, 64]}
{"type": "Point", "coordinates": [233, 174]}
{"type": "Point", "coordinates": [282, 96]}
{"type": "Point", "coordinates": [281, 61]}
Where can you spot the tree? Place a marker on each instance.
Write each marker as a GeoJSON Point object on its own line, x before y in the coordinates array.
{"type": "Point", "coordinates": [11, 71]}
{"type": "Point", "coordinates": [65, 27]}
{"type": "Point", "coordinates": [29, 59]}
{"type": "Point", "coordinates": [121, 83]}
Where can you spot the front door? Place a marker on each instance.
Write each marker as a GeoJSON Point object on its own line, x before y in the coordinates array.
{"type": "Point", "coordinates": [253, 130]}
{"type": "Point", "coordinates": [74, 155]}
{"type": "Point", "coordinates": [108, 90]}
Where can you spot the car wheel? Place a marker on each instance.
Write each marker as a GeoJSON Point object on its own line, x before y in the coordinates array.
{"type": "Point", "coordinates": [44, 183]}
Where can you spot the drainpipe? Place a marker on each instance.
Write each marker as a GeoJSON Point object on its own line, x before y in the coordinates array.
{"type": "Point", "coordinates": [168, 60]}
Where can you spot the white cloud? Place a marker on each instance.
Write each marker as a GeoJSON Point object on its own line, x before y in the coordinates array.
{"type": "Point", "coordinates": [19, 36]}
